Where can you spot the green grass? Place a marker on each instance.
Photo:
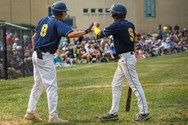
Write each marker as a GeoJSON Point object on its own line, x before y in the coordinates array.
{"type": "Point", "coordinates": [85, 93]}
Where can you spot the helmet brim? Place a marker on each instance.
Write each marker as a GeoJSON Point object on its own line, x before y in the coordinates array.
{"type": "Point", "coordinates": [112, 11]}
{"type": "Point", "coordinates": [67, 9]}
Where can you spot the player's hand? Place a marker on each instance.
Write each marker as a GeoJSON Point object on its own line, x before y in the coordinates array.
{"type": "Point", "coordinates": [89, 28]}
{"type": "Point", "coordinates": [96, 24]}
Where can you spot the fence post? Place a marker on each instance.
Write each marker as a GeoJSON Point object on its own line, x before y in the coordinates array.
{"type": "Point", "coordinates": [23, 52]}
{"type": "Point", "coordinates": [5, 52]}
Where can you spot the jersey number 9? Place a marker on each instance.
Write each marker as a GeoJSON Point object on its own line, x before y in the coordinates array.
{"type": "Point", "coordinates": [131, 34]}
{"type": "Point", "coordinates": [43, 30]}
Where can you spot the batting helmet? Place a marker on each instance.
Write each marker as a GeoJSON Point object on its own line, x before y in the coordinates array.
{"type": "Point", "coordinates": [58, 7]}
{"type": "Point", "coordinates": [118, 11]}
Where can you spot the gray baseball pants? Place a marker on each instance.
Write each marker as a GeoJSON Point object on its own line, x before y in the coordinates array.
{"type": "Point", "coordinates": [127, 70]}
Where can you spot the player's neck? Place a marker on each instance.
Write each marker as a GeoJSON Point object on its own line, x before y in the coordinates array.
{"type": "Point", "coordinates": [57, 17]}
{"type": "Point", "coordinates": [117, 20]}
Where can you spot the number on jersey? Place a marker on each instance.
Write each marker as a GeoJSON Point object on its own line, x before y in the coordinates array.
{"type": "Point", "coordinates": [44, 30]}
{"type": "Point", "coordinates": [131, 34]}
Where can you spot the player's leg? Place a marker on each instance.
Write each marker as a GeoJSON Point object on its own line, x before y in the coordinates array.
{"type": "Point", "coordinates": [48, 72]}
{"type": "Point", "coordinates": [129, 69]}
{"type": "Point", "coordinates": [116, 89]}
{"type": "Point", "coordinates": [50, 83]}
{"type": "Point", "coordinates": [116, 94]}
{"type": "Point", "coordinates": [35, 92]}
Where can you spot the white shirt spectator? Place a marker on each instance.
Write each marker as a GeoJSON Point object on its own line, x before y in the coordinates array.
{"type": "Point", "coordinates": [1, 45]}
{"type": "Point", "coordinates": [14, 46]}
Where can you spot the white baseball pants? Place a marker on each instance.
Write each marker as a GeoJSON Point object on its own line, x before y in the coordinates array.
{"type": "Point", "coordinates": [44, 76]}
{"type": "Point", "coordinates": [127, 70]}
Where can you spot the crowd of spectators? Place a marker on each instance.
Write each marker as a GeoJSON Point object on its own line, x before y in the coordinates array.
{"type": "Point", "coordinates": [19, 52]}
{"type": "Point", "coordinates": [168, 40]}
{"type": "Point", "coordinates": [89, 50]}
{"type": "Point", "coordinates": [84, 50]}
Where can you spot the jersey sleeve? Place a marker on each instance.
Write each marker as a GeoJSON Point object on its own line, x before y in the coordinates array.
{"type": "Point", "coordinates": [63, 29]}
{"type": "Point", "coordinates": [111, 29]}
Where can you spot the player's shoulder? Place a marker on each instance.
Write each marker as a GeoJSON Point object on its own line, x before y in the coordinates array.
{"type": "Point", "coordinates": [44, 18]}
{"type": "Point", "coordinates": [59, 22]}
{"type": "Point", "coordinates": [115, 25]}
{"type": "Point", "coordinates": [42, 21]}
{"type": "Point", "coordinates": [52, 19]}
{"type": "Point", "coordinates": [122, 22]}
{"type": "Point", "coordinates": [127, 22]}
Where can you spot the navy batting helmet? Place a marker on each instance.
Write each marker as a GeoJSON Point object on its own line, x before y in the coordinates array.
{"type": "Point", "coordinates": [58, 7]}
{"type": "Point", "coordinates": [118, 11]}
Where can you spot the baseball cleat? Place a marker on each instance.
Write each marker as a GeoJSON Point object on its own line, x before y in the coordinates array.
{"type": "Point", "coordinates": [33, 117]}
{"type": "Point", "coordinates": [109, 117]}
{"type": "Point", "coordinates": [57, 121]}
{"type": "Point", "coordinates": [142, 117]}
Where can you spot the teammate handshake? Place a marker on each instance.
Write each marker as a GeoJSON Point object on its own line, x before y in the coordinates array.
{"type": "Point", "coordinates": [94, 25]}
{"type": "Point", "coordinates": [46, 40]}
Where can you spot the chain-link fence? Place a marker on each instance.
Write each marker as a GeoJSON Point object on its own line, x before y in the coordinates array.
{"type": "Point", "coordinates": [15, 51]}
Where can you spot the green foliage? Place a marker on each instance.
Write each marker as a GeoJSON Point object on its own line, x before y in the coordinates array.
{"type": "Point", "coordinates": [85, 93]}
{"type": "Point", "coordinates": [30, 26]}
{"type": "Point", "coordinates": [2, 21]}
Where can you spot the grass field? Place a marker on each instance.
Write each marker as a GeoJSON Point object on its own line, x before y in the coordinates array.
{"type": "Point", "coordinates": [85, 93]}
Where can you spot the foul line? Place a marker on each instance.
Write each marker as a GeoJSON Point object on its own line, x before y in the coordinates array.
{"type": "Point", "coordinates": [107, 86]}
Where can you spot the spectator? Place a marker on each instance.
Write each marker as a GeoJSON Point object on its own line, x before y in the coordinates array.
{"type": "Point", "coordinates": [77, 50]}
{"type": "Point", "coordinates": [63, 42]}
{"type": "Point", "coordinates": [176, 29]}
{"type": "Point", "coordinates": [65, 47]}
{"type": "Point", "coordinates": [14, 45]}
{"type": "Point", "coordinates": [166, 47]}
{"type": "Point", "coordinates": [165, 31]}
{"type": "Point", "coordinates": [112, 48]}
{"type": "Point", "coordinates": [95, 53]}
{"type": "Point", "coordinates": [58, 59]}
{"type": "Point", "coordinates": [160, 32]}
{"type": "Point", "coordinates": [9, 40]}
{"type": "Point", "coordinates": [108, 51]}
{"type": "Point", "coordinates": [184, 33]}
{"type": "Point", "coordinates": [1, 45]}
{"type": "Point", "coordinates": [157, 48]}
{"type": "Point", "coordinates": [68, 57]}
{"type": "Point", "coordinates": [84, 54]}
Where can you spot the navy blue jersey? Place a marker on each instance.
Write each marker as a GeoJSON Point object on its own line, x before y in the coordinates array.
{"type": "Point", "coordinates": [48, 34]}
{"type": "Point", "coordinates": [123, 33]}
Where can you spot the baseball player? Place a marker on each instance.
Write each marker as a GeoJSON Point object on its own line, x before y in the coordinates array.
{"type": "Point", "coordinates": [123, 33]}
{"type": "Point", "coordinates": [46, 39]}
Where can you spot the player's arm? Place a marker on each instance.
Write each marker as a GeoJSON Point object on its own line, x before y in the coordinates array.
{"type": "Point", "coordinates": [33, 40]}
{"type": "Point", "coordinates": [75, 34]}
{"type": "Point", "coordinates": [97, 31]}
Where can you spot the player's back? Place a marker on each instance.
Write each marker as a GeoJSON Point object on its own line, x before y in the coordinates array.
{"type": "Point", "coordinates": [124, 36]}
